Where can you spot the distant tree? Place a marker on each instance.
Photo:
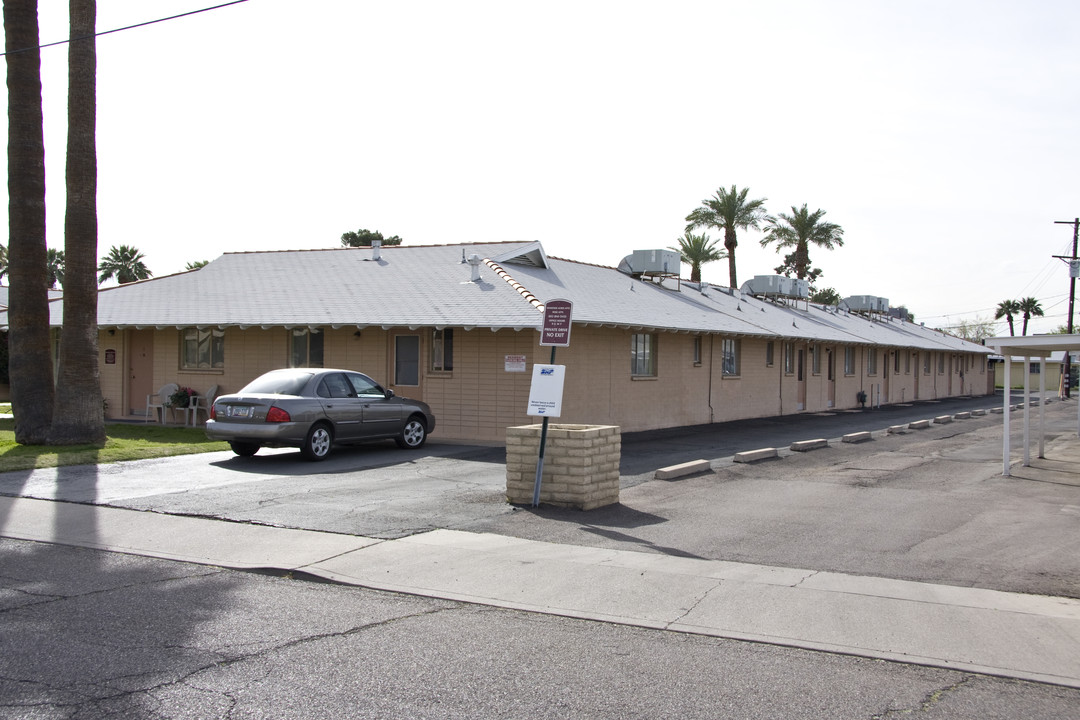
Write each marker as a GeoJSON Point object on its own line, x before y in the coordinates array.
{"type": "Point", "coordinates": [54, 262]}
{"type": "Point", "coordinates": [799, 231]}
{"type": "Point", "coordinates": [3, 262]}
{"type": "Point", "coordinates": [364, 238]}
{"type": "Point", "coordinates": [196, 264]}
{"type": "Point", "coordinates": [788, 269]}
{"type": "Point", "coordinates": [696, 250]}
{"type": "Point", "coordinates": [728, 210]}
{"type": "Point", "coordinates": [827, 296]}
{"type": "Point", "coordinates": [975, 330]}
{"type": "Point", "coordinates": [1008, 309]}
{"type": "Point", "coordinates": [125, 263]}
{"type": "Point", "coordinates": [1030, 307]}
{"type": "Point", "coordinates": [29, 350]}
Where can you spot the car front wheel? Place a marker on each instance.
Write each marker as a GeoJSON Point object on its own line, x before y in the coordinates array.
{"type": "Point", "coordinates": [413, 434]}
{"type": "Point", "coordinates": [317, 443]}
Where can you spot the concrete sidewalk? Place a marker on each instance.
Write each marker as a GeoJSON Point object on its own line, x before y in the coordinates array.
{"type": "Point", "coordinates": [1006, 634]}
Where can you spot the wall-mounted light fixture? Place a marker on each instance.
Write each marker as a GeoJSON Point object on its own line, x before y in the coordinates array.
{"type": "Point", "coordinates": [356, 334]}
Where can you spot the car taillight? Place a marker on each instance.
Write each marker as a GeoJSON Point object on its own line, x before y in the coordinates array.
{"type": "Point", "coordinates": [213, 412]}
{"type": "Point", "coordinates": [276, 414]}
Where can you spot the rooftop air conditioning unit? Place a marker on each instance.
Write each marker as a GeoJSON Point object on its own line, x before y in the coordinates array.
{"type": "Point", "coordinates": [867, 303]}
{"type": "Point", "coordinates": [659, 262]}
{"type": "Point", "coordinates": [800, 288]}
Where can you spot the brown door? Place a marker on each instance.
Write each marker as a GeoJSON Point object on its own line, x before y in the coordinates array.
{"type": "Point", "coordinates": [140, 359]}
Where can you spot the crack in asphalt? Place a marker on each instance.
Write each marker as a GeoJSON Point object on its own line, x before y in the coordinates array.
{"type": "Point", "coordinates": [86, 698]}
{"type": "Point", "coordinates": [928, 703]}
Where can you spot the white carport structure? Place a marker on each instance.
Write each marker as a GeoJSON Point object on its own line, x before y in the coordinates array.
{"type": "Point", "coordinates": [1028, 347]}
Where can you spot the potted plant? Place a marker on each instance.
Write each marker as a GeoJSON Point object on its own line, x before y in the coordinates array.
{"type": "Point", "coordinates": [182, 397]}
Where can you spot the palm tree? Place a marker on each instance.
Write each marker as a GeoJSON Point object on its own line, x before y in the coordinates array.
{"type": "Point", "coordinates": [77, 416]}
{"type": "Point", "coordinates": [1007, 309]}
{"type": "Point", "coordinates": [125, 263]}
{"type": "Point", "coordinates": [729, 211]}
{"type": "Point", "coordinates": [697, 250]}
{"type": "Point", "coordinates": [196, 264]}
{"type": "Point", "coordinates": [1031, 308]}
{"type": "Point", "coordinates": [799, 231]}
{"type": "Point", "coordinates": [30, 360]}
{"type": "Point", "coordinates": [3, 262]}
{"type": "Point", "coordinates": [55, 265]}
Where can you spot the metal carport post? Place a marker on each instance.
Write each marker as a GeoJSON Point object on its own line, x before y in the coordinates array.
{"type": "Point", "coordinates": [1039, 346]}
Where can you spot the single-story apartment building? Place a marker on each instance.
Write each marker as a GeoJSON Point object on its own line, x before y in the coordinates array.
{"type": "Point", "coordinates": [458, 327]}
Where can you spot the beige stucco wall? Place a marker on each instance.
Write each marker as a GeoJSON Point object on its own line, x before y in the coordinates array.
{"type": "Point", "coordinates": [481, 397]}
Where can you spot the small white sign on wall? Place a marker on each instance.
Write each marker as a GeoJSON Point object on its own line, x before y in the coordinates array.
{"type": "Point", "coordinates": [515, 363]}
{"type": "Point", "coordinates": [545, 394]}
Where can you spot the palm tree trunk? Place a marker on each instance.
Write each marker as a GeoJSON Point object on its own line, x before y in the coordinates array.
{"type": "Point", "coordinates": [79, 417]}
{"type": "Point", "coordinates": [729, 244]}
{"type": "Point", "coordinates": [30, 360]}
{"type": "Point", "coordinates": [802, 259]}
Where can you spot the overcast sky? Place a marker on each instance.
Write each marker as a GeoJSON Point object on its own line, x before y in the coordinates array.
{"type": "Point", "coordinates": [941, 135]}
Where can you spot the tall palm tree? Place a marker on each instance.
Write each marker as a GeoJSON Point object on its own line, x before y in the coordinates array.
{"type": "Point", "coordinates": [55, 266]}
{"type": "Point", "coordinates": [1007, 309]}
{"type": "Point", "coordinates": [29, 356]}
{"type": "Point", "coordinates": [799, 231]}
{"type": "Point", "coordinates": [125, 263]}
{"type": "Point", "coordinates": [77, 417]}
{"type": "Point", "coordinates": [697, 250]}
{"type": "Point", "coordinates": [728, 210]}
{"type": "Point", "coordinates": [3, 262]}
{"type": "Point", "coordinates": [1031, 308]}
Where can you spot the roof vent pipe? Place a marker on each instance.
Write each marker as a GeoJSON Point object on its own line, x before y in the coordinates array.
{"type": "Point", "coordinates": [376, 249]}
{"type": "Point", "coordinates": [474, 263]}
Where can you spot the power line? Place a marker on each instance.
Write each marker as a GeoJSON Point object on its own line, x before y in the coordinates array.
{"type": "Point", "coordinates": [128, 27]}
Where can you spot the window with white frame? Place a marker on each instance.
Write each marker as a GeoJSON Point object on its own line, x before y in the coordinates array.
{"type": "Point", "coordinates": [697, 349]}
{"type": "Point", "coordinates": [815, 359]}
{"type": "Point", "coordinates": [907, 363]}
{"type": "Point", "coordinates": [306, 347]}
{"type": "Point", "coordinates": [849, 361]}
{"type": "Point", "coordinates": [941, 363]}
{"type": "Point", "coordinates": [789, 359]}
{"type": "Point", "coordinates": [729, 349]}
{"type": "Point", "coordinates": [202, 349]}
{"type": "Point", "coordinates": [926, 363]}
{"type": "Point", "coordinates": [769, 354]}
{"type": "Point", "coordinates": [442, 350]}
{"type": "Point", "coordinates": [643, 355]}
{"type": "Point", "coordinates": [871, 361]}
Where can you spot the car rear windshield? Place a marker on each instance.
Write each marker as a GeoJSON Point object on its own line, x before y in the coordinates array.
{"type": "Point", "coordinates": [278, 384]}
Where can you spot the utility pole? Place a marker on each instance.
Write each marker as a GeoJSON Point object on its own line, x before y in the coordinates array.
{"type": "Point", "coordinates": [1072, 294]}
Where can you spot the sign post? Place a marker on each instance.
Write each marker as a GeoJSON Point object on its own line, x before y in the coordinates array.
{"type": "Point", "coordinates": [545, 395]}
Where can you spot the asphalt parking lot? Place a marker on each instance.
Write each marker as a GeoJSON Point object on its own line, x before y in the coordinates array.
{"type": "Point", "coordinates": [927, 505]}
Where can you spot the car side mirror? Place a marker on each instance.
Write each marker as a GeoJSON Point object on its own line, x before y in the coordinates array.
{"type": "Point", "coordinates": [389, 393]}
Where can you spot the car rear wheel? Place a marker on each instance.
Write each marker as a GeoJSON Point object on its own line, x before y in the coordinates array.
{"type": "Point", "coordinates": [244, 449]}
{"type": "Point", "coordinates": [413, 434]}
{"type": "Point", "coordinates": [317, 443]}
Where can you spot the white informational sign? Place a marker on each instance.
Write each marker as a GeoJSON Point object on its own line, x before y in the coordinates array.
{"type": "Point", "coordinates": [545, 395]}
{"type": "Point", "coordinates": [515, 363]}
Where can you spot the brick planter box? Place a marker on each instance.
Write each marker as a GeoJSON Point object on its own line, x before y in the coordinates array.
{"type": "Point", "coordinates": [581, 465]}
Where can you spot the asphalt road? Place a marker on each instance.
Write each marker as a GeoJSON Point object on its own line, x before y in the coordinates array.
{"type": "Point", "coordinates": [87, 634]}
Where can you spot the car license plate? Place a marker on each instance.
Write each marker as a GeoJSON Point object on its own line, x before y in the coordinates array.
{"type": "Point", "coordinates": [240, 411]}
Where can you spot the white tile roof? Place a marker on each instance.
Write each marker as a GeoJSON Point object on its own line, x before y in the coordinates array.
{"type": "Point", "coordinates": [430, 286]}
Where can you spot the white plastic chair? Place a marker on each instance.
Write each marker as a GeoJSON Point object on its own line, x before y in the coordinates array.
{"type": "Point", "coordinates": [159, 401]}
{"type": "Point", "coordinates": [203, 402]}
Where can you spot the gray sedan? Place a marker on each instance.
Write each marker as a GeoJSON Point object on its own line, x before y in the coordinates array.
{"type": "Point", "coordinates": [314, 409]}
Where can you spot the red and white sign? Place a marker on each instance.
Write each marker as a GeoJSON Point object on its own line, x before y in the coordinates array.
{"type": "Point", "coordinates": [557, 317]}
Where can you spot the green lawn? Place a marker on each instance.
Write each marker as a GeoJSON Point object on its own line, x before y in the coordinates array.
{"type": "Point", "coordinates": [125, 441]}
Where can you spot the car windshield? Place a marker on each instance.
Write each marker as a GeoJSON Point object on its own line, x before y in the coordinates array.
{"type": "Point", "coordinates": [287, 383]}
